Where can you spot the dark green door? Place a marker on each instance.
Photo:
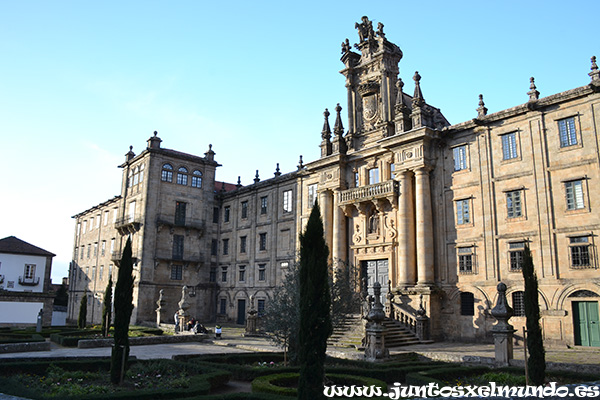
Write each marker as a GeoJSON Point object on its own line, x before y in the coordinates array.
{"type": "Point", "coordinates": [586, 321]}
{"type": "Point", "coordinates": [241, 316]}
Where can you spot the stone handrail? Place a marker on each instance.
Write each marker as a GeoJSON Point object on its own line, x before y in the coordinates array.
{"type": "Point", "coordinates": [407, 318]}
{"type": "Point", "coordinates": [368, 192]}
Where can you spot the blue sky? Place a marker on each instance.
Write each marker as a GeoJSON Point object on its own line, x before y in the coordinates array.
{"type": "Point", "coordinates": [81, 81]}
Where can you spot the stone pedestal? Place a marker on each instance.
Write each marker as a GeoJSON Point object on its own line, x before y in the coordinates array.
{"type": "Point", "coordinates": [161, 305]}
{"type": "Point", "coordinates": [422, 324]}
{"type": "Point", "coordinates": [375, 349]}
{"type": "Point", "coordinates": [184, 305]}
{"type": "Point", "coordinates": [503, 331]}
{"type": "Point", "coordinates": [251, 319]}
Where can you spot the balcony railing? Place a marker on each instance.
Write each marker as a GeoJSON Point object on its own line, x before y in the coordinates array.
{"type": "Point", "coordinates": [187, 223]}
{"type": "Point", "coordinates": [181, 258]}
{"type": "Point", "coordinates": [127, 225]}
{"type": "Point", "coordinates": [29, 281]}
{"type": "Point", "coordinates": [370, 192]}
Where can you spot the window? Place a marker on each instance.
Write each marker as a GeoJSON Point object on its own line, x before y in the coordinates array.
{"type": "Point", "coordinates": [75, 253]}
{"type": "Point", "coordinates": [518, 304]}
{"type": "Point", "coordinates": [580, 252]}
{"type": "Point", "coordinates": [465, 260]}
{"type": "Point", "coordinates": [141, 173]}
{"type": "Point", "coordinates": [182, 176]}
{"type": "Point", "coordinates": [509, 146]}
{"type": "Point", "coordinates": [287, 201]}
{"type": "Point", "coordinates": [91, 224]}
{"type": "Point", "coordinates": [105, 219]}
{"type": "Point", "coordinates": [103, 248]}
{"type": "Point", "coordinates": [167, 173]}
{"type": "Point", "coordinates": [89, 250]}
{"type": "Point", "coordinates": [95, 249]}
{"type": "Point", "coordinates": [223, 274]}
{"type": "Point", "coordinates": [463, 216]}
{"type": "Point", "coordinates": [242, 273]}
{"type": "Point", "coordinates": [136, 176]}
{"type": "Point", "coordinates": [467, 303]}
{"type": "Point", "coordinates": [178, 247]}
{"type": "Point", "coordinates": [244, 209]}
{"type": "Point", "coordinates": [112, 245]}
{"type": "Point", "coordinates": [197, 179]}
{"type": "Point", "coordinates": [392, 171]}
{"type": "Point", "coordinates": [176, 272]}
{"type": "Point", "coordinates": [567, 132]}
{"type": "Point", "coordinates": [225, 247]}
{"type": "Point", "coordinates": [373, 176]}
{"type": "Point", "coordinates": [262, 241]}
{"type": "Point", "coordinates": [212, 277]}
{"type": "Point", "coordinates": [215, 215]}
{"type": "Point", "coordinates": [101, 272]}
{"type": "Point", "coordinates": [115, 213]}
{"type": "Point", "coordinates": [93, 272]}
{"type": "Point", "coordinates": [180, 213]}
{"type": "Point", "coordinates": [29, 272]}
{"type": "Point", "coordinates": [84, 226]}
{"type": "Point", "coordinates": [574, 193]}
{"type": "Point", "coordinates": [284, 264]}
{"type": "Point", "coordinates": [515, 256]}
{"type": "Point", "coordinates": [226, 213]}
{"type": "Point", "coordinates": [82, 252]}
{"type": "Point", "coordinates": [460, 157]}
{"type": "Point", "coordinates": [222, 306]}
{"type": "Point", "coordinates": [262, 272]}
{"type": "Point", "coordinates": [513, 204]}
{"type": "Point", "coordinates": [131, 211]}
{"type": "Point", "coordinates": [78, 228]}
{"type": "Point", "coordinates": [243, 244]}
{"type": "Point", "coordinates": [312, 195]}
{"type": "Point", "coordinates": [213, 247]}
{"type": "Point", "coordinates": [356, 179]}
{"type": "Point", "coordinates": [260, 307]}
{"type": "Point", "coordinates": [263, 205]}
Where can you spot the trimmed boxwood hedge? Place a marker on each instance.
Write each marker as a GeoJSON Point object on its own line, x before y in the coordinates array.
{"type": "Point", "coordinates": [71, 338]}
{"type": "Point", "coordinates": [269, 383]}
{"type": "Point", "coordinates": [200, 384]}
{"type": "Point", "coordinates": [10, 338]}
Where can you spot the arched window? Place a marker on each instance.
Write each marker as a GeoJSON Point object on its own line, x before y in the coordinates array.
{"type": "Point", "coordinates": [467, 303]}
{"type": "Point", "coordinates": [136, 176]}
{"type": "Point", "coordinates": [182, 176]}
{"type": "Point", "coordinates": [197, 179]}
{"type": "Point", "coordinates": [167, 173]}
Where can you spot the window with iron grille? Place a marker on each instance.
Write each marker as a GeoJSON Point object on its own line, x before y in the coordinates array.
{"type": "Point", "coordinates": [467, 303]}
{"type": "Point", "coordinates": [580, 252]}
{"type": "Point", "coordinates": [29, 272]}
{"type": "Point", "coordinates": [567, 132]}
{"type": "Point", "coordinates": [514, 207]}
{"type": "Point", "coordinates": [574, 193]}
{"type": "Point", "coordinates": [176, 272]}
{"type": "Point", "coordinates": [180, 207]}
{"type": "Point", "coordinates": [518, 304]}
{"type": "Point", "coordinates": [465, 260]}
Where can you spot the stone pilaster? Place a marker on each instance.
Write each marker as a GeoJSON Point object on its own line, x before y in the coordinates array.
{"type": "Point", "coordinates": [424, 227]}
{"type": "Point", "coordinates": [406, 232]}
{"type": "Point", "coordinates": [339, 240]}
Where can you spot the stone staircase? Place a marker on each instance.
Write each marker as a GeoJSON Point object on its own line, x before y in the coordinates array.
{"type": "Point", "coordinates": [350, 334]}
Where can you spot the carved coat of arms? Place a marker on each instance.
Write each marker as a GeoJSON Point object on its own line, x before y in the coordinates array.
{"type": "Point", "coordinates": [370, 107]}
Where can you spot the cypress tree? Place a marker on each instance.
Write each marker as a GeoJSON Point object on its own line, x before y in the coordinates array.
{"type": "Point", "coordinates": [106, 307]}
{"type": "Point", "coordinates": [535, 345]}
{"type": "Point", "coordinates": [123, 309]}
{"type": "Point", "coordinates": [315, 304]}
{"type": "Point", "coordinates": [82, 318]}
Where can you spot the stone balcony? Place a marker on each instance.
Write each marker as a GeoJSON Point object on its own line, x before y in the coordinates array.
{"type": "Point", "coordinates": [128, 225]}
{"type": "Point", "coordinates": [385, 190]}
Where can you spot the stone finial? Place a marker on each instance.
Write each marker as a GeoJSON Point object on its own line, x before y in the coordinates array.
{"type": "Point", "coordinates": [300, 164]}
{"type": "Point", "coordinates": [338, 128]}
{"type": "Point", "coordinates": [277, 171]}
{"type": "Point", "coordinates": [222, 187]}
{"type": "Point", "coordinates": [130, 154]}
{"type": "Point", "coordinates": [533, 93]}
{"type": "Point", "coordinates": [595, 73]}
{"type": "Point", "coordinates": [399, 97]}
{"type": "Point", "coordinates": [418, 99]}
{"type": "Point", "coordinates": [376, 314]}
{"type": "Point", "coordinates": [210, 154]}
{"type": "Point", "coordinates": [256, 178]}
{"type": "Point", "coordinates": [326, 132]}
{"type": "Point", "coordinates": [239, 182]}
{"type": "Point", "coordinates": [502, 311]}
{"type": "Point", "coordinates": [481, 110]}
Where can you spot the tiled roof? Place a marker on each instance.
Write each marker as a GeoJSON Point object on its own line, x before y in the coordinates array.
{"type": "Point", "coordinates": [14, 245]}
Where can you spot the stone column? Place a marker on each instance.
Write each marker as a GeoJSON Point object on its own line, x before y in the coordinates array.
{"type": "Point", "coordinates": [406, 237]}
{"type": "Point", "coordinates": [339, 236]}
{"type": "Point", "coordinates": [424, 224]}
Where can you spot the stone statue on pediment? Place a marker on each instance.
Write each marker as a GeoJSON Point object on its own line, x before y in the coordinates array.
{"type": "Point", "coordinates": [365, 29]}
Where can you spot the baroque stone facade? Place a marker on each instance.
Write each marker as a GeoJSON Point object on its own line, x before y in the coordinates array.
{"type": "Point", "coordinates": [437, 213]}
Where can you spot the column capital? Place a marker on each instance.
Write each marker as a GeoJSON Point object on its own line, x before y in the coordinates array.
{"type": "Point", "coordinates": [423, 169]}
